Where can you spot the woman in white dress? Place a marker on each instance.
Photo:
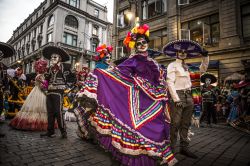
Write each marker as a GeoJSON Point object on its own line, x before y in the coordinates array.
{"type": "Point", "coordinates": [33, 114]}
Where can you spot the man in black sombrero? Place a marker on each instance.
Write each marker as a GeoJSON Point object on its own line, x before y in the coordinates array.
{"type": "Point", "coordinates": [208, 97]}
{"type": "Point", "coordinates": [6, 51]}
{"type": "Point", "coordinates": [57, 77]}
{"type": "Point", "coordinates": [181, 90]}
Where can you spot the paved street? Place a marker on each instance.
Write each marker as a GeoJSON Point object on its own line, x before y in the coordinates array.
{"type": "Point", "coordinates": [217, 146]}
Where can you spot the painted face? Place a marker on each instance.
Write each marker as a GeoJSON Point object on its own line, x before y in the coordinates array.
{"type": "Point", "coordinates": [141, 45]}
{"type": "Point", "coordinates": [55, 59]}
{"type": "Point", "coordinates": [108, 59]}
{"type": "Point", "coordinates": [181, 54]}
{"type": "Point", "coordinates": [208, 81]}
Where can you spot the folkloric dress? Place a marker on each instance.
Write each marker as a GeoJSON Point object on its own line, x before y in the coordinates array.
{"type": "Point", "coordinates": [33, 114]}
{"type": "Point", "coordinates": [130, 119]}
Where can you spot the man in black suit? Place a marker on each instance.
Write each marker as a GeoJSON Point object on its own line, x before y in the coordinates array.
{"type": "Point", "coordinates": [58, 77]}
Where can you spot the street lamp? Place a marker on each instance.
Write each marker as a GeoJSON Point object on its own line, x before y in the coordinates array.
{"type": "Point", "coordinates": [129, 16]}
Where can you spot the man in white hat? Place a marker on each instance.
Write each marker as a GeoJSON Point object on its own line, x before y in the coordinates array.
{"type": "Point", "coordinates": [180, 86]}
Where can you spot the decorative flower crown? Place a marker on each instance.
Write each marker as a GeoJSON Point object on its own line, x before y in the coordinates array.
{"type": "Point", "coordinates": [132, 36]}
{"type": "Point", "coordinates": [40, 65]}
{"type": "Point", "coordinates": [102, 51]}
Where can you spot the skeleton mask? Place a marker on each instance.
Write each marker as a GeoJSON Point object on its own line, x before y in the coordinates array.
{"type": "Point", "coordinates": [108, 59]}
{"type": "Point", "coordinates": [141, 45]}
{"type": "Point", "coordinates": [55, 59]}
{"type": "Point", "coordinates": [181, 54]}
{"type": "Point", "coordinates": [207, 81]}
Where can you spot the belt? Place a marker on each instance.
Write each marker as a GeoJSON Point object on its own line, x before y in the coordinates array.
{"type": "Point", "coordinates": [58, 87]}
{"type": "Point", "coordinates": [185, 91]}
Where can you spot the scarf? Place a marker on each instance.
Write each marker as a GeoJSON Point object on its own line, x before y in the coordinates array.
{"type": "Point", "coordinates": [195, 90]}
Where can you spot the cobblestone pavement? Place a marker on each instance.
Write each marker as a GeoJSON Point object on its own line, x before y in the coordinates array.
{"type": "Point", "coordinates": [217, 146]}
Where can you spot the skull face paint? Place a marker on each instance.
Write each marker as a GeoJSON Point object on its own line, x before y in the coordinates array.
{"type": "Point", "coordinates": [108, 59]}
{"type": "Point", "coordinates": [207, 81]}
{"type": "Point", "coordinates": [181, 54]}
{"type": "Point", "coordinates": [55, 59]}
{"type": "Point", "coordinates": [141, 45]}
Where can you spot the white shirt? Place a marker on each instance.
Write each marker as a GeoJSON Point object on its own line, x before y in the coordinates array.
{"type": "Point", "coordinates": [179, 79]}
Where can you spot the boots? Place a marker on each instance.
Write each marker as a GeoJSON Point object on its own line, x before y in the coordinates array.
{"type": "Point", "coordinates": [64, 134]}
{"type": "Point", "coordinates": [48, 134]}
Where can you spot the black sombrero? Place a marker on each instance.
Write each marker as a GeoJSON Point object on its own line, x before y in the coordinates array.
{"type": "Point", "coordinates": [208, 75]}
{"type": "Point", "coordinates": [49, 50]}
{"type": "Point", "coordinates": [192, 48]}
{"type": "Point", "coordinates": [7, 50]}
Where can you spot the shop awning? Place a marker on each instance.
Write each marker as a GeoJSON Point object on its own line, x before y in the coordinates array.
{"type": "Point", "coordinates": [214, 64]}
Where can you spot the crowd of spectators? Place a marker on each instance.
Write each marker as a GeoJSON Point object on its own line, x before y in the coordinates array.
{"type": "Point", "coordinates": [232, 101]}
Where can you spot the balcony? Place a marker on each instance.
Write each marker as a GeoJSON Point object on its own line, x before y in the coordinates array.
{"type": "Point", "coordinates": [70, 47]}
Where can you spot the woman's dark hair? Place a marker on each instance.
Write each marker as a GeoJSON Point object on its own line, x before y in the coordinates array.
{"type": "Point", "coordinates": [142, 36]}
{"type": "Point", "coordinates": [119, 61]}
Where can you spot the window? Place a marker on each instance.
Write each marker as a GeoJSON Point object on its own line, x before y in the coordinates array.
{"type": "Point", "coordinates": [29, 36]}
{"type": "Point", "coordinates": [70, 39]}
{"type": "Point", "coordinates": [183, 2]}
{"type": "Point", "coordinates": [95, 30]}
{"type": "Point", "coordinates": [152, 8]}
{"type": "Point", "coordinates": [96, 13]}
{"type": "Point", "coordinates": [74, 3]}
{"type": "Point", "coordinates": [94, 44]}
{"type": "Point", "coordinates": [49, 37]}
{"type": "Point", "coordinates": [93, 47]}
{"type": "Point", "coordinates": [51, 21]}
{"type": "Point", "coordinates": [245, 18]}
{"type": "Point", "coordinates": [34, 33]}
{"type": "Point", "coordinates": [158, 39]}
{"type": "Point", "coordinates": [41, 28]}
{"type": "Point", "coordinates": [205, 31]}
{"type": "Point", "coordinates": [121, 50]}
{"type": "Point", "coordinates": [71, 21]}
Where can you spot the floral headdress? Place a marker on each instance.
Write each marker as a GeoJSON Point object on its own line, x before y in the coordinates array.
{"type": "Point", "coordinates": [41, 66]}
{"type": "Point", "coordinates": [102, 51]}
{"type": "Point", "coordinates": [133, 35]}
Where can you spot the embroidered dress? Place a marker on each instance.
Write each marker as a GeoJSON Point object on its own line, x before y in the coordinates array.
{"type": "Point", "coordinates": [33, 114]}
{"type": "Point", "coordinates": [130, 119]}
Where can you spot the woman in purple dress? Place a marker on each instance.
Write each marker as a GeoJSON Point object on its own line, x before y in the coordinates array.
{"type": "Point", "coordinates": [131, 120]}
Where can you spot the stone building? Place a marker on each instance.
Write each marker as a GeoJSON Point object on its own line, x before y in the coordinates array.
{"type": "Point", "coordinates": [221, 26]}
{"type": "Point", "coordinates": [78, 26]}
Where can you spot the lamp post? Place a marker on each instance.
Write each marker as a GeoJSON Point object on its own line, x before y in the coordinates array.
{"type": "Point", "coordinates": [134, 9]}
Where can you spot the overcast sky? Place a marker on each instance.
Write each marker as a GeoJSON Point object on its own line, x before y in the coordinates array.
{"type": "Point", "coordinates": [14, 12]}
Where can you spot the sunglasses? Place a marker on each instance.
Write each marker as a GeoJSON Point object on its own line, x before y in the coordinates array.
{"type": "Point", "coordinates": [141, 43]}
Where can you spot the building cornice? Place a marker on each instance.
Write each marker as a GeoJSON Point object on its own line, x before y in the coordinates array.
{"type": "Point", "coordinates": [99, 6]}
{"type": "Point", "coordinates": [83, 13]}
{"type": "Point", "coordinates": [51, 7]}
{"type": "Point", "coordinates": [31, 15]}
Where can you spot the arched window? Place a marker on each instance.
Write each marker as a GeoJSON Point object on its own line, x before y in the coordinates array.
{"type": "Point", "coordinates": [51, 21]}
{"type": "Point", "coordinates": [71, 21]}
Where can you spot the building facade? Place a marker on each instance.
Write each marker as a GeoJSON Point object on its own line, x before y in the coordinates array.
{"type": "Point", "coordinates": [78, 26]}
{"type": "Point", "coordinates": [221, 26]}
